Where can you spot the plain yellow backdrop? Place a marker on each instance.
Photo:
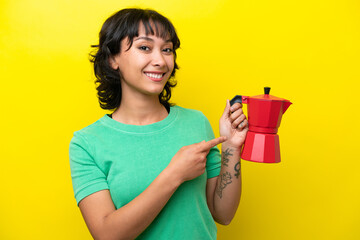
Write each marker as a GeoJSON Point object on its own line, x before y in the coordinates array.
{"type": "Point", "coordinates": [306, 51]}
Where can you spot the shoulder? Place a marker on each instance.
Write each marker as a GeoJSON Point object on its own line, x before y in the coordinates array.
{"type": "Point", "coordinates": [85, 134]}
{"type": "Point", "coordinates": [192, 119]}
{"type": "Point", "coordinates": [189, 113]}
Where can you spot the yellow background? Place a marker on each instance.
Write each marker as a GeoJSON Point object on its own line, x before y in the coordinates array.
{"type": "Point", "coordinates": [307, 51]}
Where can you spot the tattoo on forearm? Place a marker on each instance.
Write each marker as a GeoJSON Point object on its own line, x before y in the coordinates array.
{"type": "Point", "coordinates": [225, 179]}
{"type": "Point", "coordinates": [225, 156]}
{"type": "Point", "coordinates": [237, 170]}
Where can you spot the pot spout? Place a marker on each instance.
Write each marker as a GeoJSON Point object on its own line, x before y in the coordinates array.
{"type": "Point", "coordinates": [286, 106]}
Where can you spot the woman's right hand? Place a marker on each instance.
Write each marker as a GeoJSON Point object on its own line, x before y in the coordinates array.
{"type": "Point", "coordinates": [190, 161]}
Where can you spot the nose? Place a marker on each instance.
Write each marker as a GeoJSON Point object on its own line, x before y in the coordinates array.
{"type": "Point", "coordinates": [158, 59]}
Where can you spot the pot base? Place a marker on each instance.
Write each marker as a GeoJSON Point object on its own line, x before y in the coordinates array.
{"type": "Point", "coordinates": [261, 147]}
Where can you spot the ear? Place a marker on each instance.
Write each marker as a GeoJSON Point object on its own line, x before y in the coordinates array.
{"type": "Point", "coordinates": [112, 62]}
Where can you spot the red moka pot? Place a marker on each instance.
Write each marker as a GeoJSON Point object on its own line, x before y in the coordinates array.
{"type": "Point", "coordinates": [264, 117]}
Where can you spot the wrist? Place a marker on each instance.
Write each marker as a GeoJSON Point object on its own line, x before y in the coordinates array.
{"type": "Point", "coordinates": [173, 176]}
{"type": "Point", "coordinates": [235, 149]}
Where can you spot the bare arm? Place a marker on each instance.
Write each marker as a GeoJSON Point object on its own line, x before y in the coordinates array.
{"type": "Point", "coordinates": [224, 191]}
{"type": "Point", "coordinates": [127, 222]}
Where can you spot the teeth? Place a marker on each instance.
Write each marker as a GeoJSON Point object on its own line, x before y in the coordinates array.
{"type": "Point", "coordinates": [153, 75]}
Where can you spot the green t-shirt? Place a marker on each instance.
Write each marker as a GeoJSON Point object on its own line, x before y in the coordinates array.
{"type": "Point", "coordinates": [126, 158]}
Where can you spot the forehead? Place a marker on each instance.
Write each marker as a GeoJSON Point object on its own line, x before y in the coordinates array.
{"type": "Point", "coordinates": [149, 29]}
{"type": "Point", "coordinates": [153, 28]}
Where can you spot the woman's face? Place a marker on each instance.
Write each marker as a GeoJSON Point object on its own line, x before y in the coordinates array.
{"type": "Point", "coordinates": [146, 66]}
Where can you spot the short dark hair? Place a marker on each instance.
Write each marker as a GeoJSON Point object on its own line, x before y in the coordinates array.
{"type": "Point", "coordinates": [125, 24]}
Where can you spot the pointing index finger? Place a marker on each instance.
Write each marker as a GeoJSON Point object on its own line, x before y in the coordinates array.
{"type": "Point", "coordinates": [212, 143]}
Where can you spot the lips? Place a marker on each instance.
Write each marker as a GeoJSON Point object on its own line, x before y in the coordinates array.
{"type": "Point", "coordinates": [155, 76]}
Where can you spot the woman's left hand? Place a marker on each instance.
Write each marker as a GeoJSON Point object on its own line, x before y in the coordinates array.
{"type": "Point", "coordinates": [234, 125]}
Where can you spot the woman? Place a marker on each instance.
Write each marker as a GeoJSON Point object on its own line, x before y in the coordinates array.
{"type": "Point", "coordinates": [151, 170]}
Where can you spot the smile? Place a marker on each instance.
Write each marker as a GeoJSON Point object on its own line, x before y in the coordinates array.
{"type": "Point", "coordinates": [155, 75]}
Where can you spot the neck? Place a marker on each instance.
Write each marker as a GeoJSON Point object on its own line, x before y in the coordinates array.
{"type": "Point", "coordinates": [140, 110]}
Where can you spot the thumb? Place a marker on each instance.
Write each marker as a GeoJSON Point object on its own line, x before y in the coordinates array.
{"type": "Point", "coordinates": [226, 112]}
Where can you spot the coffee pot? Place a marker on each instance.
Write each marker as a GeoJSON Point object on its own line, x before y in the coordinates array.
{"type": "Point", "coordinates": [264, 117]}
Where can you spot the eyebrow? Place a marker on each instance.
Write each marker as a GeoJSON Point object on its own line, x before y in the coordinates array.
{"type": "Point", "coordinates": [148, 39]}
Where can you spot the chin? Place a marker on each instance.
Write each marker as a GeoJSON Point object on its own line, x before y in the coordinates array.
{"type": "Point", "coordinates": [154, 92]}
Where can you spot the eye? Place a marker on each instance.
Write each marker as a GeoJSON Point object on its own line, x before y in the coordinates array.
{"type": "Point", "coordinates": [144, 48]}
{"type": "Point", "coordinates": [168, 50]}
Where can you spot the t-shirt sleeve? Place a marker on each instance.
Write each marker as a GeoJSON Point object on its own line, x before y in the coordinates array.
{"type": "Point", "coordinates": [213, 163]}
{"type": "Point", "coordinates": [87, 177]}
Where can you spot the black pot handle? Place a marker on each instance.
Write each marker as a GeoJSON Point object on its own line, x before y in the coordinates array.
{"type": "Point", "coordinates": [236, 99]}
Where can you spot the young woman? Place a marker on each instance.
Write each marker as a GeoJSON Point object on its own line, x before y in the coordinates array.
{"type": "Point", "coordinates": [151, 170]}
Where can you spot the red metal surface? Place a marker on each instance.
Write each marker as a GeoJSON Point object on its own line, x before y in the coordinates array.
{"type": "Point", "coordinates": [264, 117]}
{"type": "Point", "coordinates": [261, 147]}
